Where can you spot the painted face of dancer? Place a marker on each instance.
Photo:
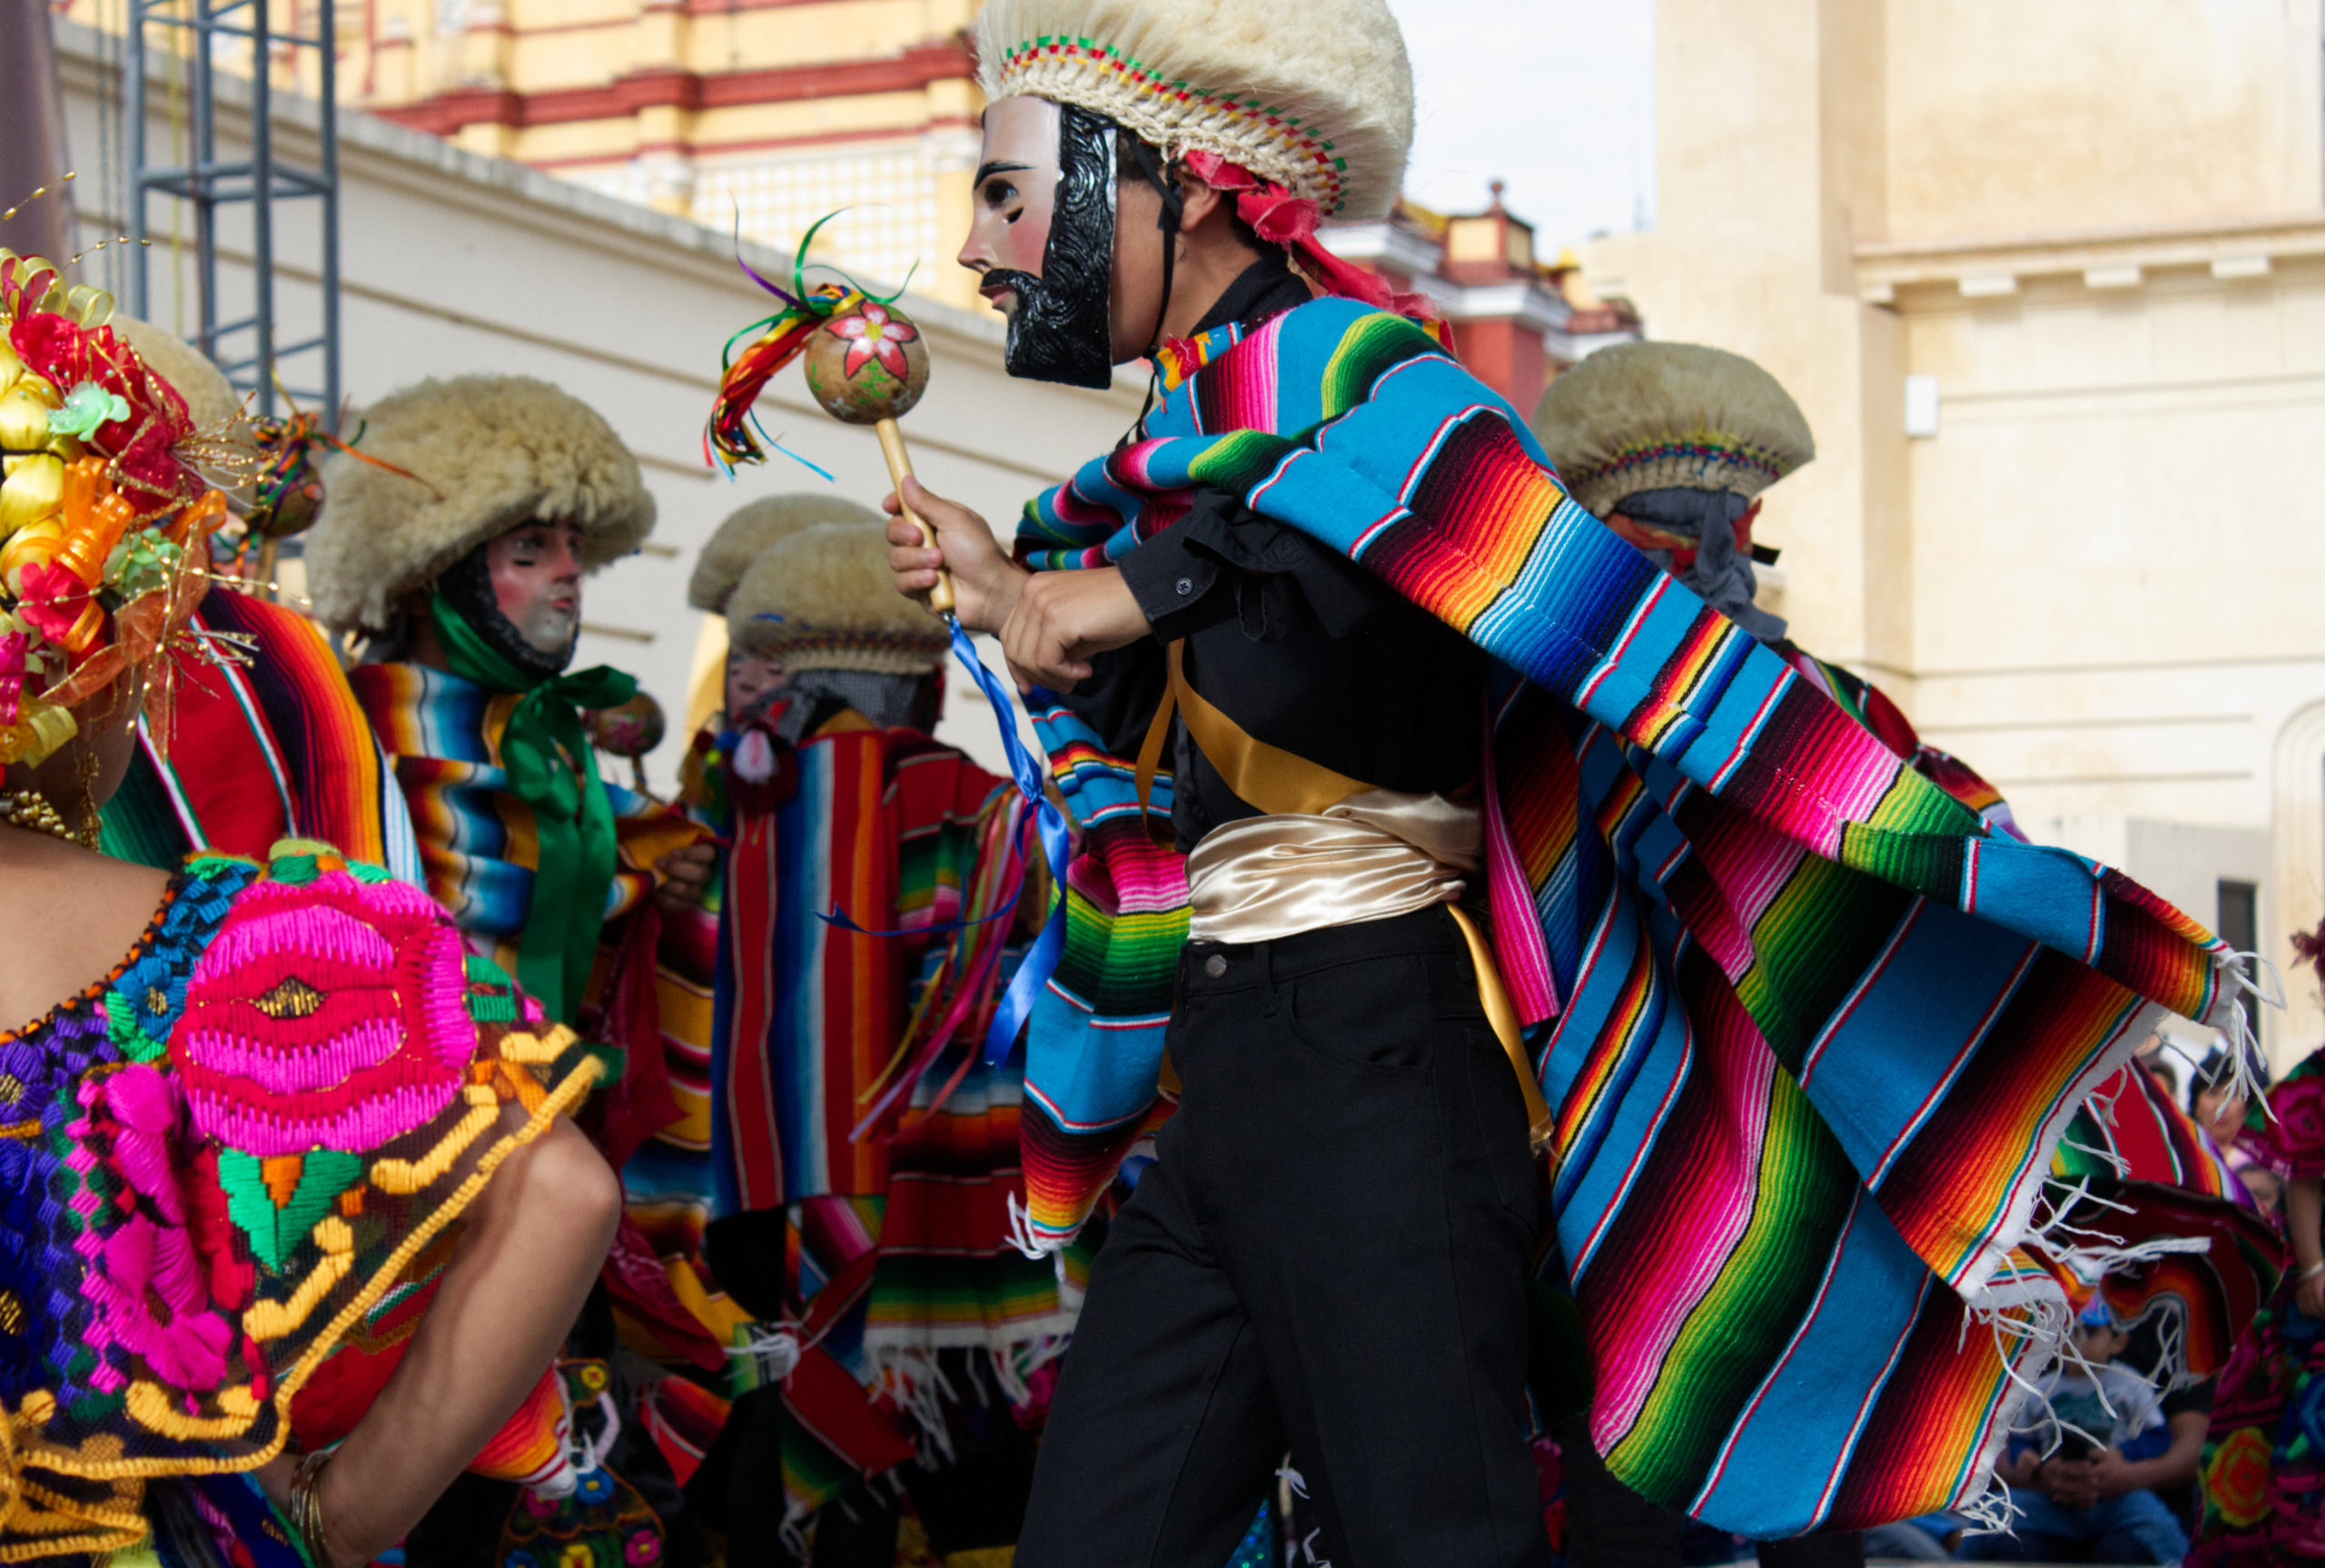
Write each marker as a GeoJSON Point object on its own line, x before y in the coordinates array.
{"type": "Point", "coordinates": [536, 582]}
{"type": "Point", "coordinates": [753, 681]}
{"type": "Point", "coordinates": [1042, 238]}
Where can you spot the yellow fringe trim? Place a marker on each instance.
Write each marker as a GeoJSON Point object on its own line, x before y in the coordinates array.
{"type": "Point", "coordinates": [20, 1447]}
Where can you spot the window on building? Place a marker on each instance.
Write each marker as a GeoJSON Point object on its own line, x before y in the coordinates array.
{"type": "Point", "coordinates": [2239, 920]}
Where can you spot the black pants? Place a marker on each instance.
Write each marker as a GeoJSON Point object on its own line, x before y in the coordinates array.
{"type": "Point", "coordinates": [1327, 1257]}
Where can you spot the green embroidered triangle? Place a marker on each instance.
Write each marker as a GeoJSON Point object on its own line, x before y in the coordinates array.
{"type": "Point", "coordinates": [275, 1232]}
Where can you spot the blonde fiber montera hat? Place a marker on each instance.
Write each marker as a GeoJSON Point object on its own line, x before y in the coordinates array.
{"type": "Point", "coordinates": [751, 529]}
{"type": "Point", "coordinates": [494, 452]}
{"type": "Point", "coordinates": [1314, 95]}
{"type": "Point", "coordinates": [825, 599]}
{"type": "Point", "coordinates": [1660, 416]}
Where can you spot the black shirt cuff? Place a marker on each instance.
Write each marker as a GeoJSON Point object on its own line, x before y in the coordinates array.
{"type": "Point", "coordinates": [1172, 582]}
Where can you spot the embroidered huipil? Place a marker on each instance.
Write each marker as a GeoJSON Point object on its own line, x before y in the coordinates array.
{"type": "Point", "coordinates": [226, 1157]}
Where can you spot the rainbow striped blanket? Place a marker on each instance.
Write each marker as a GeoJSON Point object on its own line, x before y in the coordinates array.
{"type": "Point", "coordinates": [1810, 1031]}
{"type": "Point", "coordinates": [260, 750]}
{"type": "Point", "coordinates": [477, 842]}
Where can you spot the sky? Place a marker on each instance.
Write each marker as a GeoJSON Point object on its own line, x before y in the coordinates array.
{"type": "Point", "coordinates": [1556, 97]}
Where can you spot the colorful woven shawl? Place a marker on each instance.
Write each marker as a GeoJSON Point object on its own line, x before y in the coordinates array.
{"type": "Point", "coordinates": [205, 1193]}
{"type": "Point", "coordinates": [1870, 706]}
{"type": "Point", "coordinates": [260, 748]}
{"type": "Point", "coordinates": [831, 901]}
{"type": "Point", "coordinates": [1810, 1031]}
{"type": "Point", "coordinates": [477, 842]}
{"type": "Point", "coordinates": [864, 938]}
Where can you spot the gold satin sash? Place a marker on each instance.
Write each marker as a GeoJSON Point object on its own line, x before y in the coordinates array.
{"type": "Point", "coordinates": [1331, 850]}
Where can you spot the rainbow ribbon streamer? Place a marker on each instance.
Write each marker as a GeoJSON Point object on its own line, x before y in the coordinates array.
{"type": "Point", "coordinates": [1032, 777]}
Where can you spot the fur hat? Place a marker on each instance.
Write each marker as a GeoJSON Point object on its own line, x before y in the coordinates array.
{"type": "Point", "coordinates": [209, 397]}
{"type": "Point", "coordinates": [749, 529]}
{"type": "Point", "coordinates": [500, 451]}
{"type": "Point", "coordinates": [1314, 95]}
{"type": "Point", "coordinates": [825, 599]}
{"type": "Point", "coordinates": [1655, 416]}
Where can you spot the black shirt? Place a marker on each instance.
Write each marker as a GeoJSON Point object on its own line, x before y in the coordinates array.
{"type": "Point", "coordinates": [1300, 645]}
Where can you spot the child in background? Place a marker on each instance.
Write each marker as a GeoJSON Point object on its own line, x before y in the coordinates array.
{"type": "Point", "coordinates": [2082, 1477]}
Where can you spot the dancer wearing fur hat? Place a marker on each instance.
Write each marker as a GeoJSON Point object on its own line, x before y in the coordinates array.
{"type": "Point", "coordinates": [457, 553]}
{"type": "Point", "coordinates": [668, 1178]}
{"type": "Point", "coordinates": [864, 1157]}
{"type": "Point", "coordinates": [1489, 827]}
{"type": "Point", "coordinates": [1670, 445]}
{"type": "Point", "coordinates": [464, 572]}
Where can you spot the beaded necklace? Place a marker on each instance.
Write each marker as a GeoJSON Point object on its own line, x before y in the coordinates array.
{"type": "Point", "coordinates": [29, 809]}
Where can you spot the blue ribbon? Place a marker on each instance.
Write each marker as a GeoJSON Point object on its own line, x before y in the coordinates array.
{"type": "Point", "coordinates": [1031, 775]}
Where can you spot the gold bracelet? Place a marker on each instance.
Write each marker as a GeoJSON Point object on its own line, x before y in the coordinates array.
{"type": "Point", "coordinates": [307, 1508]}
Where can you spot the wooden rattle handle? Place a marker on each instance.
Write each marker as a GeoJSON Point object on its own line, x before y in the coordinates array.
{"type": "Point", "coordinates": [892, 447]}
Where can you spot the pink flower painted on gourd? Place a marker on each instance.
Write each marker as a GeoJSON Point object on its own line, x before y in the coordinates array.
{"type": "Point", "coordinates": [329, 1014]}
{"type": "Point", "coordinates": [874, 334]}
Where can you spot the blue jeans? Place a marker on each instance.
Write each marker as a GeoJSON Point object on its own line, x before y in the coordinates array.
{"type": "Point", "coordinates": [2133, 1528]}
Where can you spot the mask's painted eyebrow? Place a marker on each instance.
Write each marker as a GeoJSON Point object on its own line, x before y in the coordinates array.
{"type": "Point", "coordinates": [985, 169]}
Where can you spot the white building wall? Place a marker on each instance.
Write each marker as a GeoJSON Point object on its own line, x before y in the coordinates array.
{"type": "Point", "coordinates": [455, 264]}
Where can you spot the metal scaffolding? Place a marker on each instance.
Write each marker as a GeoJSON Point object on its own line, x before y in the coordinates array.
{"type": "Point", "coordinates": [246, 347]}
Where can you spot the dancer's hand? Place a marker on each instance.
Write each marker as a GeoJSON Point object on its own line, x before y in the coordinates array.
{"type": "Point", "coordinates": [985, 581]}
{"type": "Point", "coordinates": [2310, 1295]}
{"type": "Point", "coordinates": [2112, 1475]}
{"type": "Point", "coordinates": [1062, 620]}
{"type": "Point", "coordinates": [2066, 1482]}
{"type": "Point", "coordinates": [685, 873]}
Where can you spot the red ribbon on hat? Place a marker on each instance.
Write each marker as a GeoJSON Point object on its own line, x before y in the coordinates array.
{"type": "Point", "coordinates": [1281, 218]}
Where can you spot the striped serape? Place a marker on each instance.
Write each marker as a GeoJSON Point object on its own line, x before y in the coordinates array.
{"type": "Point", "coordinates": [477, 843]}
{"type": "Point", "coordinates": [2167, 1232]}
{"type": "Point", "coordinates": [865, 932]}
{"type": "Point", "coordinates": [2131, 1130]}
{"type": "Point", "coordinates": [264, 746]}
{"type": "Point", "coordinates": [1809, 1030]}
{"type": "Point", "coordinates": [831, 902]}
{"type": "Point", "coordinates": [1870, 706]}
{"type": "Point", "coordinates": [948, 1276]}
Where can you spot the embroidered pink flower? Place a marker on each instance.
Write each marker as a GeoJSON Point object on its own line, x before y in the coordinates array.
{"type": "Point", "coordinates": [149, 1291]}
{"type": "Point", "coordinates": [145, 1148]}
{"type": "Point", "coordinates": [329, 1014]}
{"type": "Point", "coordinates": [875, 335]}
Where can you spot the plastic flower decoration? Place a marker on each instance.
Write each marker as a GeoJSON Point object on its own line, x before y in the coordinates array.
{"type": "Point", "coordinates": [876, 335]}
{"type": "Point", "coordinates": [86, 406]}
{"type": "Point", "coordinates": [96, 508]}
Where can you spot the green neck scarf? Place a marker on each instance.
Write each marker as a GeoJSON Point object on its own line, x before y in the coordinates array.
{"type": "Point", "coordinates": [545, 751]}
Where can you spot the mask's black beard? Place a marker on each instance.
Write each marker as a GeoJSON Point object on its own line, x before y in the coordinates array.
{"type": "Point", "coordinates": [467, 583]}
{"type": "Point", "coordinates": [1061, 329]}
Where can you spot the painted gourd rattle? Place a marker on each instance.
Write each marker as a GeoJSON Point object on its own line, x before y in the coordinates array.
{"type": "Point", "coordinates": [868, 365]}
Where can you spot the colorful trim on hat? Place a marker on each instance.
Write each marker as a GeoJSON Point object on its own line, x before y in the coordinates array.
{"type": "Point", "coordinates": [1682, 462]}
{"type": "Point", "coordinates": [1258, 136]}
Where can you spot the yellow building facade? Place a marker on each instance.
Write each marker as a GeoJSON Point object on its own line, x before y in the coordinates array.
{"type": "Point", "coordinates": [757, 114]}
{"type": "Point", "coordinates": [2049, 281]}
